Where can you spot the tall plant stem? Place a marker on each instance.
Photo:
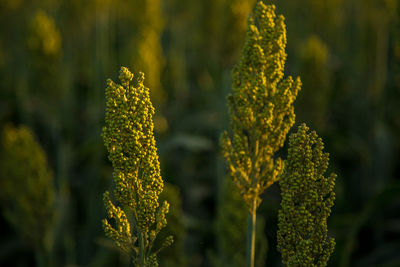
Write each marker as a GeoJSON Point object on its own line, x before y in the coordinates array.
{"type": "Point", "coordinates": [141, 250]}
{"type": "Point", "coordinates": [41, 258]}
{"type": "Point", "coordinates": [251, 235]}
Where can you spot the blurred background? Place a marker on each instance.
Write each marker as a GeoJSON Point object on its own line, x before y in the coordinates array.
{"type": "Point", "coordinates": [56, 55]}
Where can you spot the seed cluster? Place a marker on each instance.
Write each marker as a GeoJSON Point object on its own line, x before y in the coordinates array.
{"type": "Point", "coordinates": [129, 139]}
{"type": "Point", "coordinates": [307, 199]}
{"type": "Point", "coordinates": [260, 106]}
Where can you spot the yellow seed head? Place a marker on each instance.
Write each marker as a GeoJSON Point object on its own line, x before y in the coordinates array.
{"type": "Point", "coordinates": [307, 198]}
{"type": "Point", "coordinates": [260, 106]}
{"type": "Point", "coordinates": [129, 139]}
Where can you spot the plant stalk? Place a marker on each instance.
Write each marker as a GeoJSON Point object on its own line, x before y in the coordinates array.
{"type": "Point", "coordinates": [141, 250]}
{"type": "Point", "coordinates": [251, 235]}
{"type": "Point", "coordinates": [40, 258]}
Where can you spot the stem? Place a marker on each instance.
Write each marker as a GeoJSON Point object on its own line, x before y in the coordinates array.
{"type": "Point", "coordinates": [141, 249]}
{"type": "Point", "coordinates": [40, 259]}
{"type": "Point", "coordinates": [43, 257]}
{"type": "Point", "coordinates": [251, 235]}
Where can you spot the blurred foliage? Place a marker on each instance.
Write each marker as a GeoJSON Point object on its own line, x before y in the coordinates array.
{"type": "Point", "coordinates": [45, 36]}
{"type": "Point", "coordinates": [27, 191]}
{"type": "Point", "coordinates": [173, 255]}
{"type": "Point", "coordinates": [347, 53]}
{"type": "Point", "coordinates": [314, 59]}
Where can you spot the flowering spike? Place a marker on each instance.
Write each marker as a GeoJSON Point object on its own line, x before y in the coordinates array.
{"type": "Point", "coordinates": [307, 198]}
{"type": "Point", "coordinates": [260, 106]}
{"type": "Point", "coordinates": [261, 111]}
{"type": "Point", "coordinates": [128, 137]}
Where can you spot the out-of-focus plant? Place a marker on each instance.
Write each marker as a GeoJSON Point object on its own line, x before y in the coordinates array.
{"type": "Point", "coordinates": [316, 78]}
{"type": "Point", "coordinates": [45, 36]}
{"type": "Point", "coordinates": [134, 222]}
{"type": "Point", "coordinates": [174, 255]}
{"type": "Point", "coordinates": [261, 110]}
{"type": "Point", "coordinates": [27, 191]}
{"type": "Point", "coordinates": [10, 5]}
{"type": "Point", "coordinates": [235, 17]}
{"type": "Point", "coordinates": [149, 54]}
{"type": "Point", "coordinates": [307, 199]}
{"type": "Point", "coordinates": [142, 22]}
{"type": "Point", "coordinates": [149, 49]}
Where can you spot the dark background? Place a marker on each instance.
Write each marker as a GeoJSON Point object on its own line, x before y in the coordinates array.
{"type": "Point", "coordinates": [56, 55]}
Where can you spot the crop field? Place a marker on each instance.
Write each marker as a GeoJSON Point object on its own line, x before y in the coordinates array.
{"type": "Point", "coordinates": [203, 133]}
